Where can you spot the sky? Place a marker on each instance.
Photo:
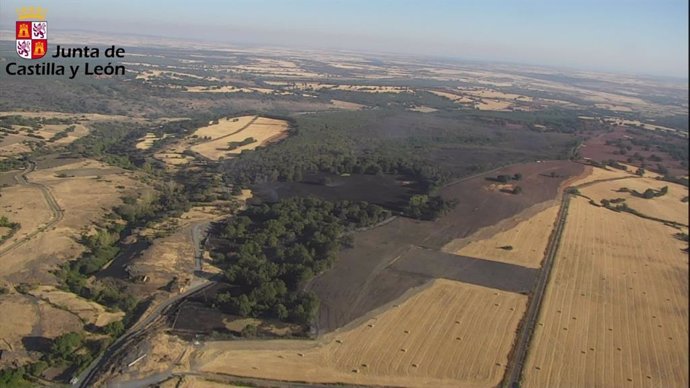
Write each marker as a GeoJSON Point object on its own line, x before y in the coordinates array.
{"type": "Point", "coordinates": [631, 36]}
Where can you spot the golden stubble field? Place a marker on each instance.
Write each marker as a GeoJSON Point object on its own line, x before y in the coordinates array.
{"type": "Point", "coordinates": [449, 334]}
{"type": "Point", "coordinates": [263, 130]}
{"type": "Point", "coordinates": [667, 207]}
{"type": "Point", "coordinates": [615, 312]}
{"type": "Point", "coordinates": [527, 239]}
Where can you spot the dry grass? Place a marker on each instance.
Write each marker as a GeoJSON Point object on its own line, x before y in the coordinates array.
{"type": "Point", "coordinates": [450, 334]}
{"type": "Point", "coordinates": [667, 207]}
{"type": "Point", "coordinates": [24, 316]}
{"type": "Point", "coordinates": [90, 190]}
{"type": "Point", "coordinates": [147, 141]}
{"type": "Point", "coordinates": [263, 130]}
{"type": "Point", "coordinates": [86, 310]}
{"type": "Point", "coordinates": [25, 205]}
{"type": "Point", "coordinates": [615, 312]}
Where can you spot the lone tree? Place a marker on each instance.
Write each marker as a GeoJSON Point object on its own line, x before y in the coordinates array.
{"type": "Point", "coordinates": [517, 190]}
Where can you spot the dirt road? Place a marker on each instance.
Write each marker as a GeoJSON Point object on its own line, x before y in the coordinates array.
{"type": "Point", "coordinates": [56, 211]}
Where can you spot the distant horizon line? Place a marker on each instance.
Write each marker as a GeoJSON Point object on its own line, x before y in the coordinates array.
{"type": "Point", "coordinates": [675, 78]}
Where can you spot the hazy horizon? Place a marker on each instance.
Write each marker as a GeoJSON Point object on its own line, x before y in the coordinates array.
{"type": "Point", "coordinates": [631, 37]}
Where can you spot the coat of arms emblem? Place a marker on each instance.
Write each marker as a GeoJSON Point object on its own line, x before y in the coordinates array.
{"type": "Point", "coordinates": [31, 33]}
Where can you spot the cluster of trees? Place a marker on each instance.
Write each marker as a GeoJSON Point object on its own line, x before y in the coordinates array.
{"type": "Point", "coordinates": [651, 193]}
{"type": "Point", "coordinates": [62, 134]}
{"type": "Point", "coordinates": [266, 166]}
{"type": "Point", "coordinates": [6, 223]}
{"type": "Point", "coordinates": [237, 144]}
{"type": "Point", "coordinates": [425, 207]}
{"type": "Point", "coordinates": [269, 252]}
{"type": "Point", "coordinates": [11, 164]}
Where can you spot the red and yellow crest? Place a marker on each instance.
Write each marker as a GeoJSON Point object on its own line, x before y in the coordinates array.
{"type": "Point", "coordinates": [31, 33]}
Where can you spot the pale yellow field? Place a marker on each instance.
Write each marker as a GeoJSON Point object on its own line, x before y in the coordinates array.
{"type": "Point", "coordinates": [616, 108]}
{"type": "Point", "coordinates": [147, 141]}
{"type": "Point", "coordinates": [224, 127]}
{"type": "Point", "coordinates": [48, 131]}
{"type": "Point", "coordinates": [173, 158]}
{"type": "Point", "coordinates": [152, 74]}
{"type": "Point", "coordinates": [615, 312]}
{"type": "Point", "coordinates": [263, 130]}
{"type": "Point", "coordinates": [450, 334]}
{"type": "Point", "coordinates": [86, 310]}
{"type": "Point", "coordinates": [598, 174]}
{"type": "Point", "coordinates": [453, 97]}
{"type": "Point", "coordinates": [487, 104]}
{"type": "Point", "coordinates": [351, 88]}
{"type": "Point", "coordinates": [653, 127]}
{"type": "Point", "coordinates": [528, 239]}
{"type": "Point", "coordinates": [667, 207]}
{"type": "Point", "coordinates": [228, 89]}
{"type": "Point", "coordinates": [494, 94]}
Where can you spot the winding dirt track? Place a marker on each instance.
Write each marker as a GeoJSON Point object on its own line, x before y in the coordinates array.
{"type": "Point", "coordinates": [56, 211]}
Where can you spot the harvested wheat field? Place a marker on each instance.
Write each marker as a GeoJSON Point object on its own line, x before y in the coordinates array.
{"type": "Point", "coordinates": [224, 127]}
{"type": "Point", "coordinates": [448, 334]}
{"type": "Point", "coordinates": [523, 244]}
{"type": "Point", "coordinates": [615, 313]}
{"type": "Point", "coordinates": [262, 130]}
{"type": "Point", "coordinates": [666, 207]}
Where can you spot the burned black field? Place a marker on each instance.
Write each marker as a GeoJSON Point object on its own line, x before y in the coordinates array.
{"type": "Point", "coordinates": [388, 191]}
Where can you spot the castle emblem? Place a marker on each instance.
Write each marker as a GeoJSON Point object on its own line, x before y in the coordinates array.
{"type": "Point", "coordinates": [31, 33]}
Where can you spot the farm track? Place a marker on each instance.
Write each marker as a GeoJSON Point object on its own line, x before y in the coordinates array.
{"type": "Point", "coordinates": [56, 211]}
{"type": "Point", "coordinates": [517, 361]}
